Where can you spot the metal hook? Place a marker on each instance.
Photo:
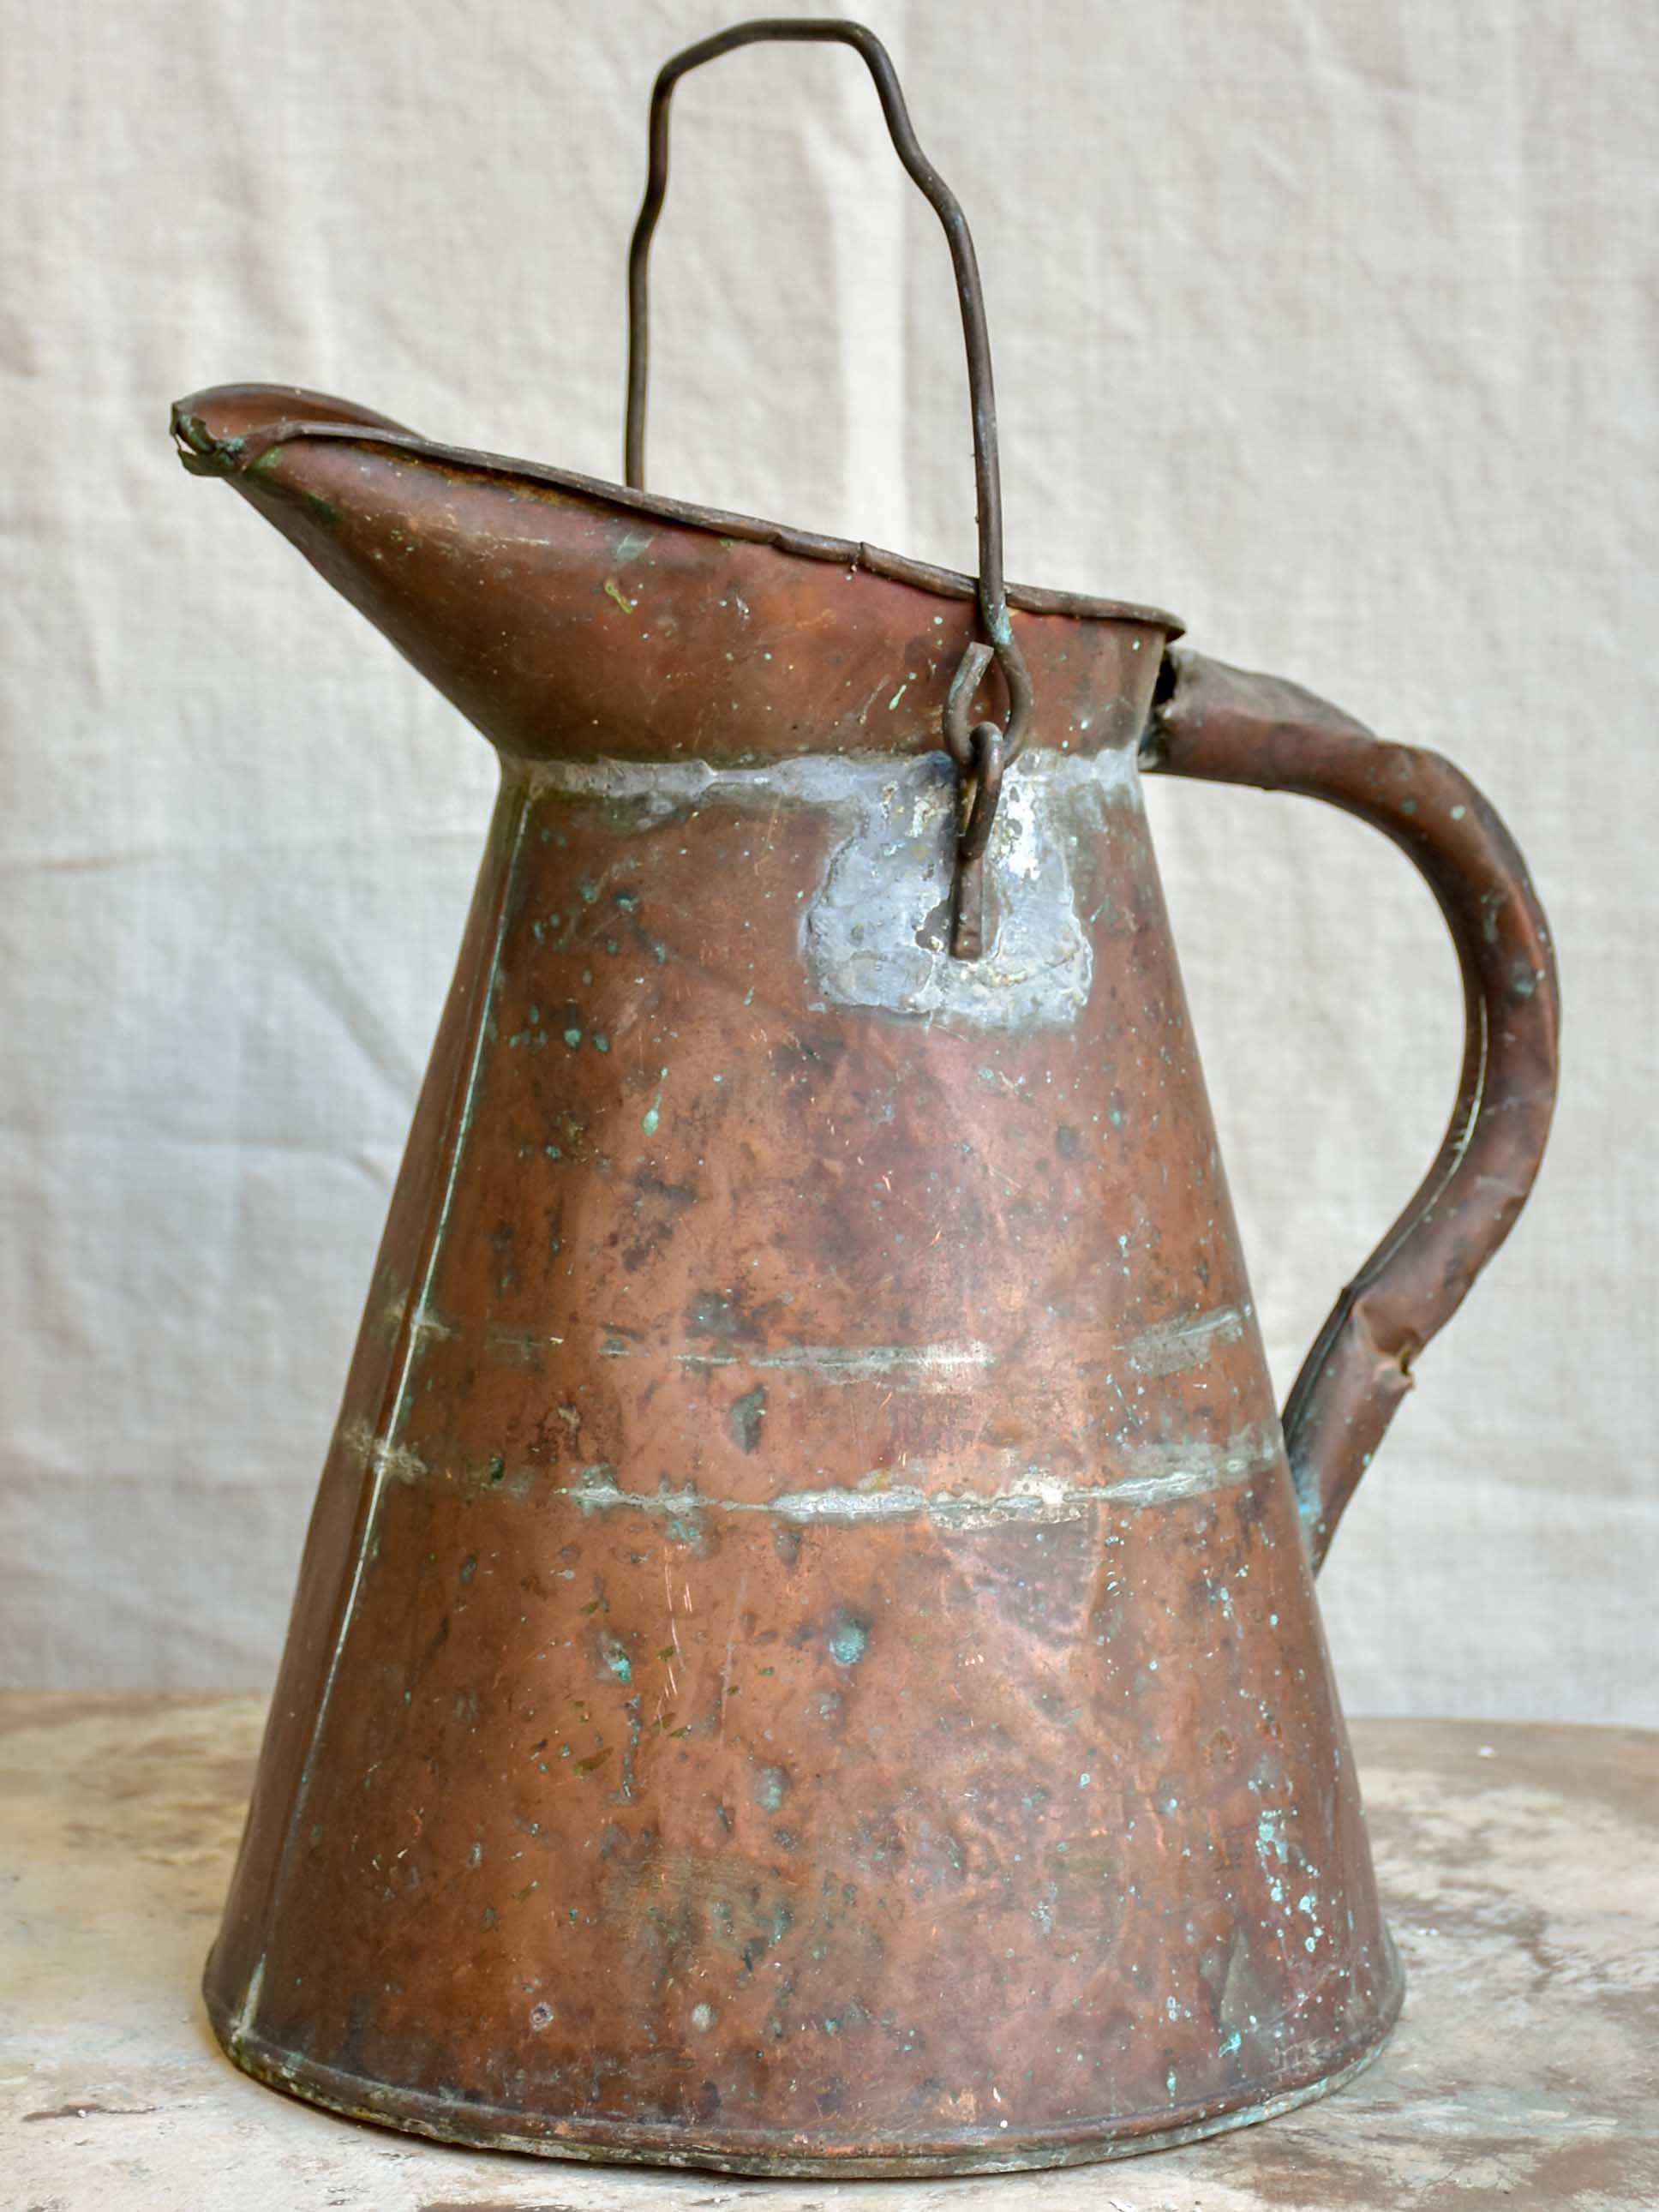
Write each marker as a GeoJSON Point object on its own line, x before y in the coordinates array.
{"type": "Point", "coordinates": [982, 790]}
{"type": "Point", "coordinates": [997, 642]}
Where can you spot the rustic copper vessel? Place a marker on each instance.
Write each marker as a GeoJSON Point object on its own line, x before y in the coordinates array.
{"type": "Point", "coordinates": [806, 1658]}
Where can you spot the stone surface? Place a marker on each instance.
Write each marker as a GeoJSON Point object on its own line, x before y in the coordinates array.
{"type": "Point", "coordinates": [1520, 1866]}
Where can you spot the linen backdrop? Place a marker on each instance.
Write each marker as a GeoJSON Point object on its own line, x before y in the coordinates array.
{"type": "Point", "coordinates": [1329, 323]}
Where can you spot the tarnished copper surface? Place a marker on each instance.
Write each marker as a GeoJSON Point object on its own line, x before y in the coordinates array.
{"type": "Point", "coordinates": [1515, 1862]}
{"type": "Point", "coordinates": [805, 1658]}
{"type": "Point", "coordinates": [569, 619]}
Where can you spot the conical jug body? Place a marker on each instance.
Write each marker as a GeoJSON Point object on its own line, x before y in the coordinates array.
{"type": "Point", "coordinates": [805, 1656]}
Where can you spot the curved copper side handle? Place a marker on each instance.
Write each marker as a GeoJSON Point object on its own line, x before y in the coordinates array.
{"type": "Point", "coordinates": [1224, 725]}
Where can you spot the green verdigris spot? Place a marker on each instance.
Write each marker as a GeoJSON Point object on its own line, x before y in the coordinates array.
{"type": "Point", "coordinates": [849, 1636]}
{"type": "Point", "coordinates": [746, 1418]}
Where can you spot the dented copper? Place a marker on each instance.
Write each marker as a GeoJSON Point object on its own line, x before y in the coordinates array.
{"type": "Point", "coordinates": [806, 1658]}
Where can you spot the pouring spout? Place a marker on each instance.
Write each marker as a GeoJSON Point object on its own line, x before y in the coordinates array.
{"type": "Point", "coordinates": [570, 619]}
{"type": "Point", "coordinates": [211, 429]}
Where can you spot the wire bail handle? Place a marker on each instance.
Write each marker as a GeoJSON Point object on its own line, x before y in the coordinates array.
{"type": "Point", "coordinates": [982, 752]}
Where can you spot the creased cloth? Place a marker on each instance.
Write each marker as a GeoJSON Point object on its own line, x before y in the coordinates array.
{"type": "Point", "coordinates": [1329, 323]}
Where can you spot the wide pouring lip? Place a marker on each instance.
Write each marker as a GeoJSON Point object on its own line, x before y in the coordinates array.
{"type": "Point", "coordinates": [291, 414]}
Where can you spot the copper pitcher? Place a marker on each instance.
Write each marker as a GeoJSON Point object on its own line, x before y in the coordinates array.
{"type": "Point", "coordinates": [806, 1659]}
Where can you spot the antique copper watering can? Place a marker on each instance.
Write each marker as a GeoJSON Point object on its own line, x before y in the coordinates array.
{"type": "Point", "coordinates": [805, 1659]}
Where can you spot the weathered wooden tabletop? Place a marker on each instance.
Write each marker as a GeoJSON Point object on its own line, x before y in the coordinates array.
{"type": "Point", "coordinates": [1520, 1866]}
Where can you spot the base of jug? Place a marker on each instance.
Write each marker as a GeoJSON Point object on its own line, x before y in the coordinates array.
{"type": "Point", "coordinates": [620, 2142]}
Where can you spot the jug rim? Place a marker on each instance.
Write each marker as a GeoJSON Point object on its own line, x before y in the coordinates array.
{"type": "Point", "coordinates": [347, 422]}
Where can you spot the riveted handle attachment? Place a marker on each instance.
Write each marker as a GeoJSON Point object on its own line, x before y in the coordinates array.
{"type": "Point", "coordinates": [1224, 725]}
{"type": "Point", "coordinates": [982, 751]}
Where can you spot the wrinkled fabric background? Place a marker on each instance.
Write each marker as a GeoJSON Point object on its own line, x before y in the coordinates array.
{"type": "Point", "coordinates": [1329, 323]}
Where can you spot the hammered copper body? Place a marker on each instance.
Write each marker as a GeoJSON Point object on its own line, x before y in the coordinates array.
{"type": "Point", "coordinates": [806, 1657]}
